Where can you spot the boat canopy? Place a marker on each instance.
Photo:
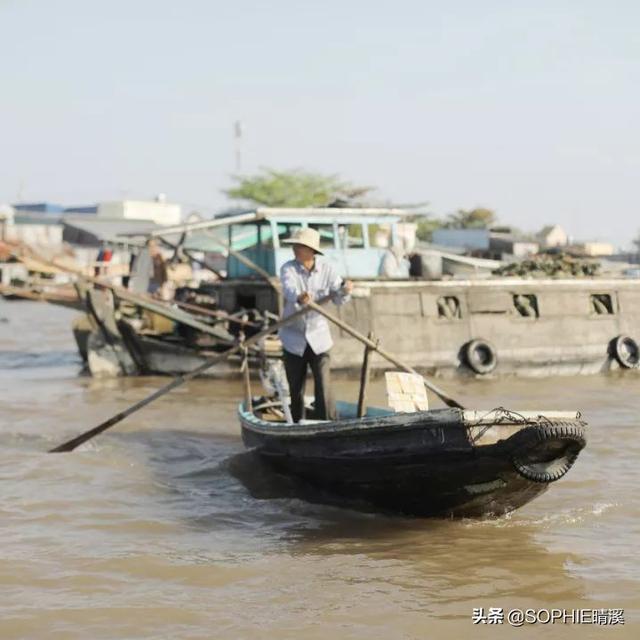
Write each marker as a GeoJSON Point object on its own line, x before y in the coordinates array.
{"type": "Point", "coordinates": [354, 240]}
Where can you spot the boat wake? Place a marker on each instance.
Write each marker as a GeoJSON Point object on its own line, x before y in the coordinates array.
{"type": "Point", "coordinates": [576, 515]}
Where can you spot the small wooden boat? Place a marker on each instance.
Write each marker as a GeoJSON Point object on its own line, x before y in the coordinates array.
{"type": "Point", "coordinates": [444, 462]}
{"type": "Point", "coordinates": [145, 336]}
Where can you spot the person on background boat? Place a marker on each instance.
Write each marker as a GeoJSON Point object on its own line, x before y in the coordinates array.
{"type": "Point", "coordinates": [395, 263]}
{"type": "Point", "coordinates": [149, 270]}
{"type": "Point", "coordinates": [307, 341]}
{"type": "Point", "coordinates": [102, 262]}
{"type": "Point", "coordinates": [159, 276]}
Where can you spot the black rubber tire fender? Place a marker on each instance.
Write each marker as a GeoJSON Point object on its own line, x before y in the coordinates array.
{"type": "Point", "coordinates": [542, 471]}
{"type": "Point", "coordinates": [480, 356]}
{"type": "Point", "coordinates": [626, 351]}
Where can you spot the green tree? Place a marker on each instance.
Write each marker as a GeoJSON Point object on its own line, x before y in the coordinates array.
{"type": "Point", "coordinates": [478, 218]}
{"type": "Point", "coordinates": [295, 188]}
{"type": "Point", "coordinates": [426, 225]}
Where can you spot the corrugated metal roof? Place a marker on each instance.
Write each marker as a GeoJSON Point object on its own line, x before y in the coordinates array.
{"type": "Point", "coordinates": [89, 230]}
{"type": "Point", "coordinates": [36, 218]}
{"type": "Point", "coordinates": [87, 209]}
{"type": "Point", "coordinates": [38, 207]}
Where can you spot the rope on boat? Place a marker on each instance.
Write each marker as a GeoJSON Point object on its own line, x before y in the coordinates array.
{"type": "Point", "coordinates": [503, 415]}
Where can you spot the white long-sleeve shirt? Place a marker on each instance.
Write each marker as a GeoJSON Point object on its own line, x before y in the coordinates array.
{"type": "Point", "coordinates": [311, 328]}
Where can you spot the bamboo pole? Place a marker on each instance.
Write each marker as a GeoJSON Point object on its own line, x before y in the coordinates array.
{"type": "Point", "coordinates": [246, 375]}
{"type": "Point", "coordinates": [364, 377]}
{"type": "Point", "coordinates": [201, 225]}
{"type": "Point", "coordinates": [448, 400]}
{"type": "Point", "coordinates": [188, 253]}
{"type": "Point", "coordinates": [220, 316]}
{"type": "Point", "coordinates": [156, 306]}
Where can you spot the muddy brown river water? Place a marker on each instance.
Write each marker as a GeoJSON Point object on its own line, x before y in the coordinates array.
{"type": "Point", "coordinates": [163, 528]}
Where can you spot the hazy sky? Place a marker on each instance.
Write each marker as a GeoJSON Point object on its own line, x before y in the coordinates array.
{"type": "Point", "coordinates": [527, 108]}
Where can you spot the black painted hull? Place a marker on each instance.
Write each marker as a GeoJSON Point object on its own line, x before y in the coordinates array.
{"type": "Point", "coordinates": [424, 464]}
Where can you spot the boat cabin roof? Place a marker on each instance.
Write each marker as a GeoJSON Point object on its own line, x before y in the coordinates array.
{"type": "Point", "coordinates": [353, 240]}
{"type": "Point", "coordinates": [303, 213]}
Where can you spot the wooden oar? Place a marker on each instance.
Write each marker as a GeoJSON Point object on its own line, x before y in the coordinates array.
{"type": "Point", "coordinates": [70, 445]}
{"type": "Point", "coordinates": [449, 401]}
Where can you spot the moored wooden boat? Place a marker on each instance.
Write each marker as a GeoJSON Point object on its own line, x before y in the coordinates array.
{"type": "Point", "coordinates": [171, 354]}
{"type": "Point", "coordinates": [443, 462]}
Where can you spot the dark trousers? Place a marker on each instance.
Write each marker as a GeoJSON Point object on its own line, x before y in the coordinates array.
{"type": "Point", "coordinates": [296, 368]}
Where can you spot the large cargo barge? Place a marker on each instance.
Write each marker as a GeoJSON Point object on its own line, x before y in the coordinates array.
{"type": "Point", "coordinates": [477, 326]}
{"type": "Point", "coordinates": [484, 327]}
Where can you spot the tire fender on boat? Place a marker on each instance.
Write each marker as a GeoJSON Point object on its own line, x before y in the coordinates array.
{"type": "Point", "coordinates": [541, 460]}
{"type": "Point", "coordinates": [480, 356]}
{"type": "Point", "coordinates": [626, 351]}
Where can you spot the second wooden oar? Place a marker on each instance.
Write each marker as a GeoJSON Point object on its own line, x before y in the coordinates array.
{"type": "Point", "coordinates": [70, 445]}
{"type": "Point", "coordinates": [448, 400]}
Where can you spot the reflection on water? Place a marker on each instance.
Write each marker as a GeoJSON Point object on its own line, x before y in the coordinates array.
{"type": "Point", "coordinates": [34, 359]}
{"type": "Point", "coordinates": [165, 527]}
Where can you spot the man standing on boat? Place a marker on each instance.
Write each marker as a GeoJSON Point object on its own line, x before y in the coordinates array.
{"type": "Point", "coordinates": [307, 341]}
{"type": "Point", "coordinates": [148, 270]}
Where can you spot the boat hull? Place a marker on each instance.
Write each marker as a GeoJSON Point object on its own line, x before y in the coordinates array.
{"type": "Point", "coordinates": [426, 464]}
{"type": "Point", "coordinates": [565, 330]}
{"type": "Point", "coordinates": [162, 356]}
